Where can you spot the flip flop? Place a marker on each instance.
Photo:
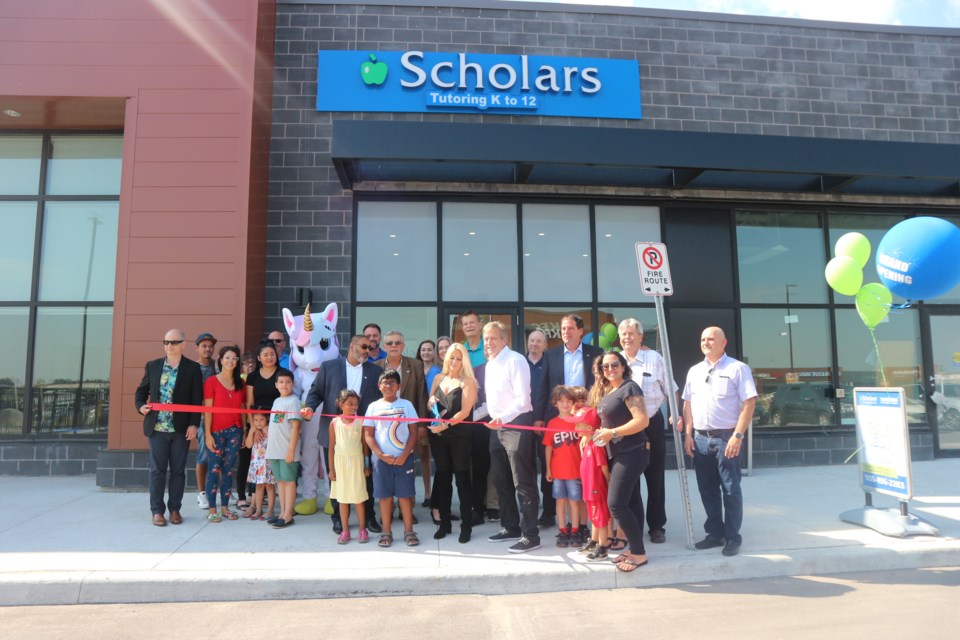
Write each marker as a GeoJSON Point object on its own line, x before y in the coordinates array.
{"type": "Point", "coordinates": [620, 558]}
{"type": "Point", "coordinates": [630, 565]}
{"type": "Point", "coordinates": [616, 544]}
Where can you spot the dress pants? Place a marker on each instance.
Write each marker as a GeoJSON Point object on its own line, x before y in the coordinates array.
{"type": "Point", "coordinates": [546, 486]}
{"type": "Point", "coordinates": [479, 465]}
{"type": "Point", "coordinates": [451, 454]}
{"type": "Point", "coordinates": [520, 451]}
{"type": "Point", "coordinates": [168, 456]}
{"type": "Point", "coordinates": [654, 475]}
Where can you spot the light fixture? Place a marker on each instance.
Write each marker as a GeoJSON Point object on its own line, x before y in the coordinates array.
{"type": "Point", "coordinates": [585, 255]}
{"type": "Point", "coordinates": [472, 233]}
{"type": "Point", "coordinates": [396, 254]}
{"type": "Point", "coordinates": [393, 235]}
{"type": "Point", "coordinates": [608, 235]}
{"type": "Point", "coordinates": [541, 234]}
{"type": "Point", "coordinates": [12, 113]}
{"type": "Point", "coordinates": [526, 255]}
{"type": "Point", "coordinates": [466, 253]}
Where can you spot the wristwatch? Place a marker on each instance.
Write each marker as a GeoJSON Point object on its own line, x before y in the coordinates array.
{"type": "Point", "coordinates": [738, 436]}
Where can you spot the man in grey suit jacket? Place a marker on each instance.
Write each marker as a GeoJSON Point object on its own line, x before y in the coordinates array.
{"type": "Point", "coordinates": [169, 380]}
{"type": "Point", "coordinates": [571, 364]}
{"type": "Point", "coordinates": [356, 373]}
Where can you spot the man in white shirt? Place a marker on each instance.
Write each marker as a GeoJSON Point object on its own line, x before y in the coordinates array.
{"type": "Point", "coordinates": [650, 372]}
{"type": "Point", "coordinates": [508, 403]}
{"type": "Point", "coordinates": [718, 402]}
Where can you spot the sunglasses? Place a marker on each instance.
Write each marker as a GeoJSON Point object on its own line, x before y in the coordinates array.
{"type": "Point", "coordinates": [172, 343]}
{"type": "Point", "coordinates": [277, 340]}
{"type": "Point", "coordinates": [610, 366]}
{"type": "Point", "coordinates": [709, 373]}
{"type": "Point", "coordinates": [393, 343]}
{"type": "Point", "coordinates": [367, 347]}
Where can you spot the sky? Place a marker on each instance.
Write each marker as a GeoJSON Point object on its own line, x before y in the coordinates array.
{"type": "Point", "coordinates": [917, 13]}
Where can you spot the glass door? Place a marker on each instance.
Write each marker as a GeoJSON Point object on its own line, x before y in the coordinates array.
{"type": "Point", "coordinates": [943, 381]}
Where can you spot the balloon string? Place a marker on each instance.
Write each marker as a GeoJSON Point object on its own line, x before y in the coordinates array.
{"type": "Point", "coordinates": [883, 375]}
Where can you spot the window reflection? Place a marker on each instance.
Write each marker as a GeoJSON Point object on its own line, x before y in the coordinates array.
{"type": "Point", "coordinates": [789, 353]}
{"type": "Point", "coordinates": [84, 165]}
{"type": "Point", "coordinates": [472, 233]}
{"type": "Point", "coordinates": [776, 248]}
{"type": "Point", "coordinates": [396, 251]}
{"type": "Point", "coordinates": [13, 367]}
{"type": "Point", "coordinates": [898, 363]}
{"type": "Point", "coordinates": [20, 165]}
{"type": "Point", "coordinates": [71, 370]}
{"type": "Point", "coordinates": [647, 316]}
{"type": "Point", "coordinates": [952, 296]}
{"type": "Point", "coordinates": [19, 223]}
{"type": "Point", "coordinates": [415, 323]}
{"type": "Point", "coordinates": [78, 259]}
{"type": "Point", "coordinates": [619, 229]}
{"type": "Point", "coordinates": [556, 253]}
{"type": "Point", "coordinates": [548, 321]}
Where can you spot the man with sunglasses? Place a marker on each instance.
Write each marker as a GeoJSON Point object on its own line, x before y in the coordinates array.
{"type": "Point", "coordinates": [718, 402]}
{"type": "Point", "coordinates": [279, 341]}
{"type": "Point", "coordinates": [357, 373]}
{"type": "Point", "coordinates": [172, 379]}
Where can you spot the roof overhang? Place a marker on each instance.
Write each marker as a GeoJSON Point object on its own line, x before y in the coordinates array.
{"type": "Point", "coordinates": [380, 151]}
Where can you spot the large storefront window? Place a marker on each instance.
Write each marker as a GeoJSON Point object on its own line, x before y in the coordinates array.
{"type": "Point", "coordinates": [471, 234]}
{"type": "Point", "coordinates": [556, 253]}
{"type": "Point", "coordinates": [894, 362]}
{"type": "Point", "coordinates": [780, 256]}
{"type": "Point", "coordinates": [618, 231]}
{"type": "Point", "coordinates": [397, 238]}
{"type": "Point", "coordinates": [874, 227]}
{"type": "Point", "coordinates": [789, 353]}
{"type": "Point", "coordinates": [56, 294]}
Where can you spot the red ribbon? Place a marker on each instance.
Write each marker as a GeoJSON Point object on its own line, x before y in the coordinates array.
{"type": "Point", "coordinates": [189, 408]}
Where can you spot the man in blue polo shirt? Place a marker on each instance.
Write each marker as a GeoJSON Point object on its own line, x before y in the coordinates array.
{"type": "Point", "coordinates": [718, 402]}
{"type": "Point", "coordinates": [473, 332]}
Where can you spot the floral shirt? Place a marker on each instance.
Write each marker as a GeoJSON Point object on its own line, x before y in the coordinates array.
{"type": "Point", "coordinates": [168, 380]}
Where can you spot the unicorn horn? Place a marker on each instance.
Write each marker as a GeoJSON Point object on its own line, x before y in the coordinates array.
{"type": "Point", "coordinates": [307, 322]}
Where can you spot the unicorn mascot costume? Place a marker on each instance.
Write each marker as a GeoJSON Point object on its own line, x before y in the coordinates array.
{"type": "Point", "coordinates": [313, 340]}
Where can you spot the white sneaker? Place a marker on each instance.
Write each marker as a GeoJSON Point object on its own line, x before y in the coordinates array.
{"type": "Point", "coordinates": [202, 500]}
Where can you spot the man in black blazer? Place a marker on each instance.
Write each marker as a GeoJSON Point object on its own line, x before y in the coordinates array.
{"type": "Point", "coordinates": [571, 364]}
{"type": "Point", "coordinates": [353, 372]}
{"type": "Point", "coordinates": [169, 380]}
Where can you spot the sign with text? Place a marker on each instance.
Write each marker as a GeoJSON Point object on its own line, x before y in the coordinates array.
{"type": "Point", "coordinates": [882, 439]}
{"type": "Point", "coordinates": [429, 82]}
{"type": "Point", "coordinates": [654, 269]}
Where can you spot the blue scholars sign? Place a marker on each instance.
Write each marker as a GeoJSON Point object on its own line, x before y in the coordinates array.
{"type": "Point", "coordinates": [424, 82]}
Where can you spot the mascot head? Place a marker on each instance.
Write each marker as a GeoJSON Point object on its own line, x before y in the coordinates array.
{"type": "Point", "coordinates": [313, 338]}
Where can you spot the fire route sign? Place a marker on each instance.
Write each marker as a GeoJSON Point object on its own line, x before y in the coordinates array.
{"type": "Point", "coordinates": [654, 269]}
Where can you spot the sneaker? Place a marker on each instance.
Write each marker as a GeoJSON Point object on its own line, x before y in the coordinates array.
{"type": "Point", "coordinates": [202, 500]}
{"type": "Point", "coordinates": [589, 547]}
{"type": "Point", "coordinates": [563, 540]}
{"type": "Point", "coordinates": [709, 543]}
{"type": "Point", "coordinates": [524, 545]}
{"type": "Point", "coordinates": [344, 537]}
{"type": "Point", "coordinates": [584, 535]}
{"type": "Point", "coordinates": [504, 536]}
{"type": "Point", "coordinates": [363, 537]}
{"type": "Point", "coordinates": [600, 553]}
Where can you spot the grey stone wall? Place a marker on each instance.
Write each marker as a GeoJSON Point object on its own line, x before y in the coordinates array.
{"type": "Point", "coordinates": [720, 74]}
{"type": "Point", "coordinates": [50, 458]}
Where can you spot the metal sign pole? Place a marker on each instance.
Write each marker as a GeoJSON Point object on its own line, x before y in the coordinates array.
{"type": "Point", "coordinates": [675, 412]}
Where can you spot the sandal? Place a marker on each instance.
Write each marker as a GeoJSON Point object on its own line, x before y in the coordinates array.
{"type": "Point", "coordinates": [616, 544]}
{"type": "Point", "coordinates": [386, 539]}
{"type": "Point", "coordinates": [249, 513]}
{"type": "Point", "coordinates": [628, 565]}
{"type": "Point", "coordinates": [214, 517]}
{"type": "Point", "coordinates": [229, 515]}
{"type": "Point", "coordinates": [243, 504]}
{"type": "Point", "coordinates": [410, 537]}
{"type": "Point", "coordinates": [620, 558]}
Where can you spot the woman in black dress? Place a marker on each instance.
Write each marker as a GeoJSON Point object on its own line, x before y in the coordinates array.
{"type": "Point", "coordinates": [261, 392]}
{"type": "Point", "coordinates": [623, 419]}
{"type": "Point", "coordinates": [453, 394]}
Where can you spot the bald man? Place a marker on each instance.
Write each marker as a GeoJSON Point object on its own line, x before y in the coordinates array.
{"type": "Point", "coordinates": [718, 402]}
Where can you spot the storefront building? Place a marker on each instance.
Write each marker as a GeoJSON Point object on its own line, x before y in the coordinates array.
{"type": "Point", "coordinates": [391, 174]}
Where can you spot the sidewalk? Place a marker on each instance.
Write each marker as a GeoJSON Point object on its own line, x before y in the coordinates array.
{"type": "Point", "coordinates": [63, 541]}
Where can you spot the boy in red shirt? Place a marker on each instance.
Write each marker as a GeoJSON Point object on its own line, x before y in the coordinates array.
{"type": "Point", "coordinates": [562, 445]}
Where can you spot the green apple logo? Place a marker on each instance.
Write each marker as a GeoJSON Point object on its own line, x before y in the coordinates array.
{"type": "Point", "coordinates": [373, 72]}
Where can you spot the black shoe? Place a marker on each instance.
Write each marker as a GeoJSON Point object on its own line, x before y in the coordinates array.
{"type": "Point", "coordinates": [493, 515]}
{"type": "Point", "coordinates": [454, 518]}
{"type": "Point", "coordinates": [524, 545]}
{"type": "Point", "coordinates": [338, 527]}
{"type": "Point", "coordinates": [426, 503]}
{"type": "Point", "coordinates": [282, 524]}
{"type": "Point", "coordinates": [731, 548]}
{"type": "Point", "coordinates": [546, 521]}
{"type": "Point", "coordinates": [373, 526]}
{"type": "Point", "coordinates": [478, 518]}
{"type": "Point", "coordinates": [442, 531]}
{"type": "Point", "coordinates": [272, 519]}
{"type": "Point", "coordinates": [504, 536]}
{"type": "Point", "coordinates": [415, 521]}
{"type": "Point", "coordinates": [464, 535]}
{"type": "Point", "coordinates": [708, 543]}
{"type": "Point", "coordinates": [658, 536]}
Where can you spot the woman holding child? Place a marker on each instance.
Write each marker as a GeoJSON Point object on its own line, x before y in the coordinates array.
{"type": "Point", "coordinates": [623, 419]}
{"type": "Point", "coordinates": [453, 394]}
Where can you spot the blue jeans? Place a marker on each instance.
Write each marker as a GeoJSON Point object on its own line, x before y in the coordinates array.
{"type": "Point", "coordinates": [220, 475]}
{"type": "Point", "coordinates": [718, 478]}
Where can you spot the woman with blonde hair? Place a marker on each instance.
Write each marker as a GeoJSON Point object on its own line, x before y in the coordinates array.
{"type": "Point", "coordinates": [452, 395]}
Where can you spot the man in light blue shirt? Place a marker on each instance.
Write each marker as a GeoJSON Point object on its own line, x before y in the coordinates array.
{"type": "Point", "coordinates": [718, 402]}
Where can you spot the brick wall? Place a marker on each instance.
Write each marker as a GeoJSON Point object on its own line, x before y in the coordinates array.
{"type": "Point", "coordinates": [50, 458]}
{"type": "Point", "coordinates": [698, 73]}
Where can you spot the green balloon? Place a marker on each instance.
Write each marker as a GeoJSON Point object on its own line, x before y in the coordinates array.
{"type": "Point", "coordinates": [604, 342]}
{"type": "Point", "coordinates": [844, 275]}
{"type": "Point", "coordinates": [853, 245]}
{"type": "Point", "coordinates": [609, 330]}
{"type": "Point", "coordinates": [873, 303]}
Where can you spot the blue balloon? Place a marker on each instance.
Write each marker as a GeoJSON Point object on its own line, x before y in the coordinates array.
{"type": "Point", "coordinates": [919, 258]}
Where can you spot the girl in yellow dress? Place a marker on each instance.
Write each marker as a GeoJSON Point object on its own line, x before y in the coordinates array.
{"type": "Point", "coordinates": [348, 451]}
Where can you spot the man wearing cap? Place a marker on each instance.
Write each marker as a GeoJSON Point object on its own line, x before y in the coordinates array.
{"type": "Point", "coordinates": [172, 379]}
{"type": "Point", "coordinates": [205, 344]}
